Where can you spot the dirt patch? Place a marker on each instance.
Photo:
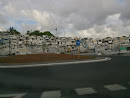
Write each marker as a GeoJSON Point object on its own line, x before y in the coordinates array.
{"type": "Point", "coordinates": [41, 58]}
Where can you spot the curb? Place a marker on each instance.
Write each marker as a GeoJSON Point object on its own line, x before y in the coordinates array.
{"type": "Point", "coordinates": [55, 64]}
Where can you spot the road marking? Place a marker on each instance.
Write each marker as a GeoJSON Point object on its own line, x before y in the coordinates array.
{"type": "Point", "coordinates": [84, 91]}
{"type": "Point", "coordinates": [12, 95]}
{"type": "Point", "coordinates": [115, 87]}
{"type": "Point", "coordinates": [53, 64]}
{"type": "Point", "coordinates": [51, 94]}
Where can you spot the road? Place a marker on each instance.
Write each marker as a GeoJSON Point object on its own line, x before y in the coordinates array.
{"type": "Point", "coordinates": [109, 79]}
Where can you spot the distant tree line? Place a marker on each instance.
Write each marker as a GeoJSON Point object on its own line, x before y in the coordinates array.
{"type": "Point", "coordinates": [12, 30]}
{"type": "Point", "coordinates": [39, 33]}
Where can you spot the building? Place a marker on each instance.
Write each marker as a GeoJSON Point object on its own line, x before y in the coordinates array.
{"type": "Point", "coordinates": [25, 44]}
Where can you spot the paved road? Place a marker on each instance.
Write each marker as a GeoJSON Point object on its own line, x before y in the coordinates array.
{"type": "Point", "coordinates": [109, 79]}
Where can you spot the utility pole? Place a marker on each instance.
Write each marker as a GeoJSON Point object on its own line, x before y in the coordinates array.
{"type": "Point", "coordinates": [9, 45]}
{"type": "Point", "coordinates": [79, 54]}
{"type": "Point", "coordinates": [113, 35]}
{"type": "Point", "coordinates": [56, 32]}
{"type": "Point", "coordinates": [64, 33]}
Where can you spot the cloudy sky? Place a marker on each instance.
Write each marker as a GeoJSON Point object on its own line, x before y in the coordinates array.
{"type": "Point", "coordinates": [76, 18]}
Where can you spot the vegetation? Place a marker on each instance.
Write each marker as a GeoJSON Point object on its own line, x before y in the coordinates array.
{"type": "Point", "coordinates": [47, 33]}
{"type": "Point", "coordinates": [43, 47]}
{"type": "Point", "coordinates": [38, 33]}
{"type": "Point", "coordinates": [12, 30]}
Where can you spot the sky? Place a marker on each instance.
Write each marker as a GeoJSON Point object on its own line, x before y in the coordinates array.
{"type": "Point", "coordinates": [72, 18]}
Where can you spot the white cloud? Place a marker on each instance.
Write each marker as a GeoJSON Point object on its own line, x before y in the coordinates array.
{"type": "Point", "coordinates": [45, 19]}
{"type": "Point", "coordinates": [112, 20]}
{"type": "Point", "coordinates": [2, 28]}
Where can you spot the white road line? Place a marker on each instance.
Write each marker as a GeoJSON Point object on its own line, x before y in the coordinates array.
{"type": "Point", "coordinates": [20, 95]}
{"type": "Point", "coordinates": [51, 94]}
{"type": "Point", "coordinates": [12, 95]}
{"type": "Point", "coordinates": [115, 87]}
{"type": "Point", "coordinates": [53, 64]}
{"type": "Point", "coordinates": [84, 91]}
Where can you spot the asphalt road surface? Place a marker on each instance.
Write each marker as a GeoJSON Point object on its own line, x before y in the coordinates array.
{"type": "Point", "coordinates": [109, 79]}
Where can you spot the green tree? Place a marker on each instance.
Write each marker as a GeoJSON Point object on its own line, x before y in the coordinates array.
{"type": "Point", "coordinates": [35, 32]}
{"type": "Point", "coordinates": [47, 33]}
{"type": "Point", "coordinates": [12, 30]}
{"type": "Point", "coordinates": [39, 33]}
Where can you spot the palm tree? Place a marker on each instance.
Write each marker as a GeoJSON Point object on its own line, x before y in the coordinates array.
{"type": "Point", "coordinates": [11, 30]}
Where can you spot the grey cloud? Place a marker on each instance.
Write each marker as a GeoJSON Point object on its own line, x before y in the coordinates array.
{"type": "Point", "coordinates": [3, 20]}
{"type": "Point", "coordinates": [80, 14]}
